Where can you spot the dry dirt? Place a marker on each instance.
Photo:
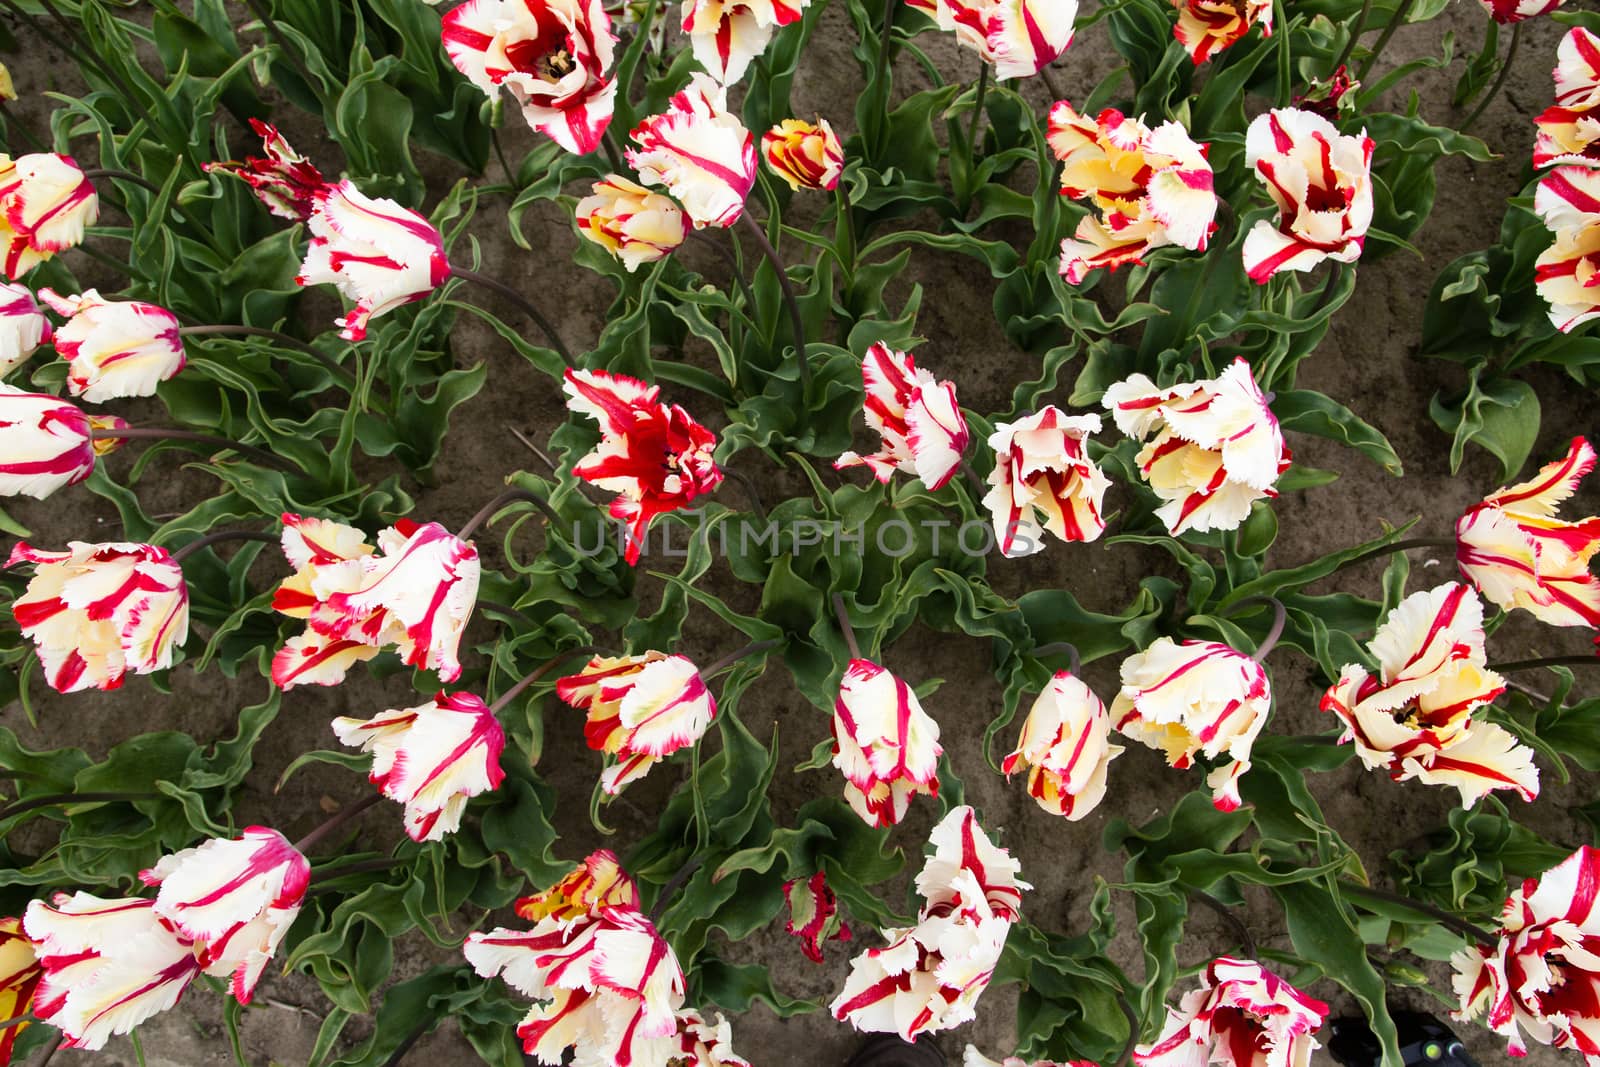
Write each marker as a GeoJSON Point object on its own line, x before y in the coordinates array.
{"type": "Point", "coordinates": [1367, 362]}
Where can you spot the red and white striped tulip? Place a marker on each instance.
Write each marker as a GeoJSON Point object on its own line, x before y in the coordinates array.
{"type": "Point", "coordinates": [1565, 274]}
{"type": "Point", "coordinates": [1541, 978]}
{"type": "Point", "coordinates": [725, 35]}
{"type": "Point", "coordinates": [283, 179]}
{"type": "Point", "coordinates": [1321, 181]}
{"type": "Point", "coordinates": [327, 557]}
{"type": "Point", "coordinates": [701, 153]}
{"type": "Point", "coordinates": [886, 745]}
{"type": "Point", "coordinates": [23, 326]}
{"type": "Point", "coordinates": [929, 976]}
{"type": "Point", "coordinates": [1569, 129]}
{"type": "Point", "coordinates": [20, 974]}
{"type": "Point", "coordinates": [1213, 448]}
{"type": "Point", "coordinates": [804, 155]}
{"type": "Point", "coordinates": [99, 611]}
{"type": "Point", "coordinates": [46, 204]}
{"type": "Point", "coordinates": [1509, 11]}
{"type": "Point", "coordinates": [697, 1043]}
{"type": "Point", "coordinates": [1018, 37]}
{"type": "Point", "coordinates": [655, 457]}
{"type": "Point", "coordinates": [813, 914]}
{"type": "Point", "coordinates": [1148, 188]}
{"type": "Point", "coordinates": [108, 965]}
{"type": "Point", "coordinates": [599, 882]}
{"type": "Point", "coordinates": [45, 443]}
{"type": "Point", "coordinates": [641, 709]}
{"type": "Point", "coordinates": [1414, 717]}
{"type": "Point", "coordinates": [1195, 698]}
{"type": "Point", "coordinates": [115, 348]}
{"type": "Point", "coordinates": [1241, 1016]}
{"type": "Point", "coordinates": [916, 416]}
{"type": "Point", "coordinates": [233, 899]}
{"type": "Point", "coordinates": [1206, 27]}
{"type": "Point", "coordinates": [630, 222]}
{"type": "Point", "coordinates": [1044, 481]}
{"type": "Point", "coordinates": [974, 1058]}
{"type": "Point", "coordinates": [1066, 748]}
{"type": "Point", "coordinates": [375, 252]}
{"type": "Point", "coordinates": [1514, 550]}
{"type": "Point", "coordinates": [604, 984]}
{"type": "Point", "coordinates": [554, 56]}
{"type": "Point", "coordinates": [432, 758]}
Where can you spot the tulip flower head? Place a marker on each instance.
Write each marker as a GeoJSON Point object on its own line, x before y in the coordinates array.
{"type": "Point", "coordinates": [283, 179]}
{"type": "Point", "coordinates": [1569, 129]}
{"type": "Point", "coordinates": [1414, 717]}
{"type": "Point", "coordinates": [1206, 27]}
{"type": "Point", "coordinates": [432, 758]}
{"type": "Point", "coordinates": [108, 965]}
{"type": "Point", "coordinates": [804, 155]}
{"type": "Point", "coordinates": [886, 745]}
{"type": "Point", "coordinates": [375, 252]}
{"type": "Point", "coordinates": [115, 348]}
{"type": "Point", "coordinates": [641, 709]}
{"type": "Point", "coordinates": [233, 899]}
{"type": "Point", "coordinates": [697, 1043]}
{"type": "Point", "coordinates": [554, 56]}
{"type": "Point", "coordinates": [657, 458]}
{"type": "Point", "coordinates": [630, 222]}
{"type": "Point", "coordinates": [1148, 188]}
{"type": "Point", "coordinates": [929, 977]}
{"type": "Point", "coordinates": [725, 35]}
{"type": "Point", "coordinates": [1568, 200]}
{"type": "Point", "coordinates": [1242, 1015]}
{"type": "Point", "coordinates": [1195, 698]}
{"type": "Point", "coordinates": [1018, 38]}
{"type": "Point", "coordinates": [1539, 978]}
{"type": "Point", "coordinates": [1321, 182]}
{"type": "Point", "coordinates": [1066, 748]}
{"type": "Point", "coordinates": [974, 1058]}
{"type": "Point", "coordinates": [1044, 481]}
{"type": "Point", "coordinates": [604, 982]}
{"type": "Point", "coordinates": [598, 882]}
{"type": "Point", "coordinates": [701, 153]}
{"type": "Point", "coordinates": [1516, 553]}
{"type": "Point", "coordinates": [920, 423]}
{"type": "Point", "coordinates": [20, 973]}
{"type": "Point", "coordinates": [23, 326]}
{"type": "Point", "coordinates": [813, 914]}
{"type": "Point", "coordinates": [1212, 448]}
{"type": "Point", "coordinates": [1506, 12]}
{"type": "Point", "coordinates": [46, 204]}
{"type": "Point", "coordinates": [99, 611]}
{"type": "Point", "coordinates": [327, 559]}
{"type": "Point", "coordinates": [44, 443]}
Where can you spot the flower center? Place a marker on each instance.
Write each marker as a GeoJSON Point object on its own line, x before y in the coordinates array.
{"type": "Point", "coordinates": [556, 65]}
{"type": "Point", "coordinates": [1319, 199]}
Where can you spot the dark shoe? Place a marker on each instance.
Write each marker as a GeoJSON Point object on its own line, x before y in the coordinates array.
{"type": "Point", "coordinates": [887, 1050]}
{"type": "Point", "coordinates": [1424, 1042]}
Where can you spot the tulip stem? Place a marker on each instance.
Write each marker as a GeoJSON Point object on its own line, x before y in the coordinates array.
{"type": "Point", "coordinates": [1401, 13]}
{"type": "Point", "coordinates": [885, 38]}
{"type": "Point", "coordinates": [283, 339]}
{"type": "Point", "coordinates": [1356, 30]}
{"type": "Point", "coordinates": [60, 799]}
{"type": "Point", "coordinates": [20, 1020]}
{"type": "Point", "coordinates": [522, 303]}
{"type": "Point", "coordinates": [613, 152]}
{"type": "Point", "coordinates": [122, 175]}
{"type": "Point", "coordinates": [282, 42]}
{"type": "Point", "coordinates": [980, 488]}
{"type": "Point", "coordinates": [845, 627]}
{"type": "Point", "coordinates": [1133, 1029]}
{"type": "Point", "coordinates": [796, 321]}
{"type": "Point", "coordinates": [1548, 661]}
{"type": "Point", "coordinates": [1390, 549]}
{"type": "Point", "coordinates": [511, 694]}
{"type": "Point", "coordinates": [977, 120]}
{"type": "Point", "coordinates": [336, 820]}
{"type": "Point", "coordinates": [1058, 647]}
{"type": "Point", "coordinates": [1241, 933]}
{"type": "Point", "coordinates": [344, 870]}
{"type": "Point", "coordinates": [1499, 82]}
{"type": "Point", "coordinates": [1280, 615]}
{"type": "Point", "coordinates": [734, 657]}
{"type": "Point", "coordinates": [183, 552]}
{"type": "Point", "coordinates": [673, 884]}
{"type": "Point", "coordinates": [749, 488]}
{"type": "Point", "coordinates": [1459, 925]}
{"type": "Point", "coordinates": [155, 433]}
{"type": "Point", "coordinates": [50, 1049]}
{"type": "Point", "coordinates": [507, 497]}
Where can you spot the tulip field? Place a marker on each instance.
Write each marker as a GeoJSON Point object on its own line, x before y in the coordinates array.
{"type": "Point", "coordinates": [736, 533]}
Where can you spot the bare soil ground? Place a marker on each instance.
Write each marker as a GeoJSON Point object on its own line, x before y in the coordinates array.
{"type": "Point", "coordinates": [1367, 362]}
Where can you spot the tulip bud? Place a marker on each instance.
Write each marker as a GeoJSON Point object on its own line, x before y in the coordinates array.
{"type": "Point", "coordinates": [641, 709]}
{"type": "Point", "coordinates": [805, 156]}
{"type": "Point", "coordinates": [886, 745]}
{"type": "Point", "coordinates": [1043, 480]}
{"type": "Point", "coordinates": [700, 151]}
{"type": "Point", "coordinates": [1066, 747]}
{"type": "Point", "coordinates": [1206, 27]}
{"type": "Point", "coordinates": [115, 348]}
{"type": "Point", "coordinates": [630, 222]}
{"type": "Point", "coordinates": [46, 204]}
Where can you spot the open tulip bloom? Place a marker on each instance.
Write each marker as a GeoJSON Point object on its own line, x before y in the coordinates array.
{"type": "Point", "coordinates": [884, 743]}
{"type": "Point", "coordinates": [1241, 1016]}
{"type": "Point", "coordinates": [1569, 129]}
{"type": "Point", "coordinates": [916, 416]}
{"type": "Point", "coordinates": [701, 153]}
{"type": "Point", "coordinates": [46, 204]}
{"type": "Point", "coordinates": [1018, 38]}
{"type": "Point", "coordinates": [1414, 717]}
{"type": "Point", "coordinates": [1044, 481]}
{"type": "Point", "coordinates": [1514, 550]}
{"type": "Point", "coordinates": [1206, 27]}
{"type": "Point", "coordinates": [1568, 200]}
{"type": "Point", "coordinates": [1212, 448]}
{"type": "Point", "coordinates": [641, 709]}
{"type": "Point", "coordinates": [727, 34]}
{"type": "Point", "coordinates": [1321, 182]}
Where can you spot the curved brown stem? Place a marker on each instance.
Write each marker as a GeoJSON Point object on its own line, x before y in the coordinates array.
{"type": "Point", "coordinates": [1280, 615]}
{"type": "Point", "coordinates": [845, 627]}
{"type": "Point", "coordinates": [1499, 82]}
{"type": "Point", "coordinates": [733, 657]}
{"type": "Point", "coordinates": [336, 820]}
{"type": "Point", "coordinates": [511, 694]}
{"type": "Point", "coordinates": [1057, 647]}
{"type": "Point", "coordinates": [154, 433]}
{"type": "Point", "coordinates": [1133, 1029]}
{"type": "Point", "coordinates": [673, 884]}
{"type": "Point", "coordinates": [523, 303]}
{"type": "Point", "coordinates": [487, 511]}
{"type": "Point", "coordinates": [1548, 661]}
{"type": "Point", "coordinates": [122, 175]}
{"type": "Point", "coordinates": [183, 552]}
{"type": "Point", "coordinates": [1241, 933]}
{"type": "Point", "coordinates": [1459, 925]}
